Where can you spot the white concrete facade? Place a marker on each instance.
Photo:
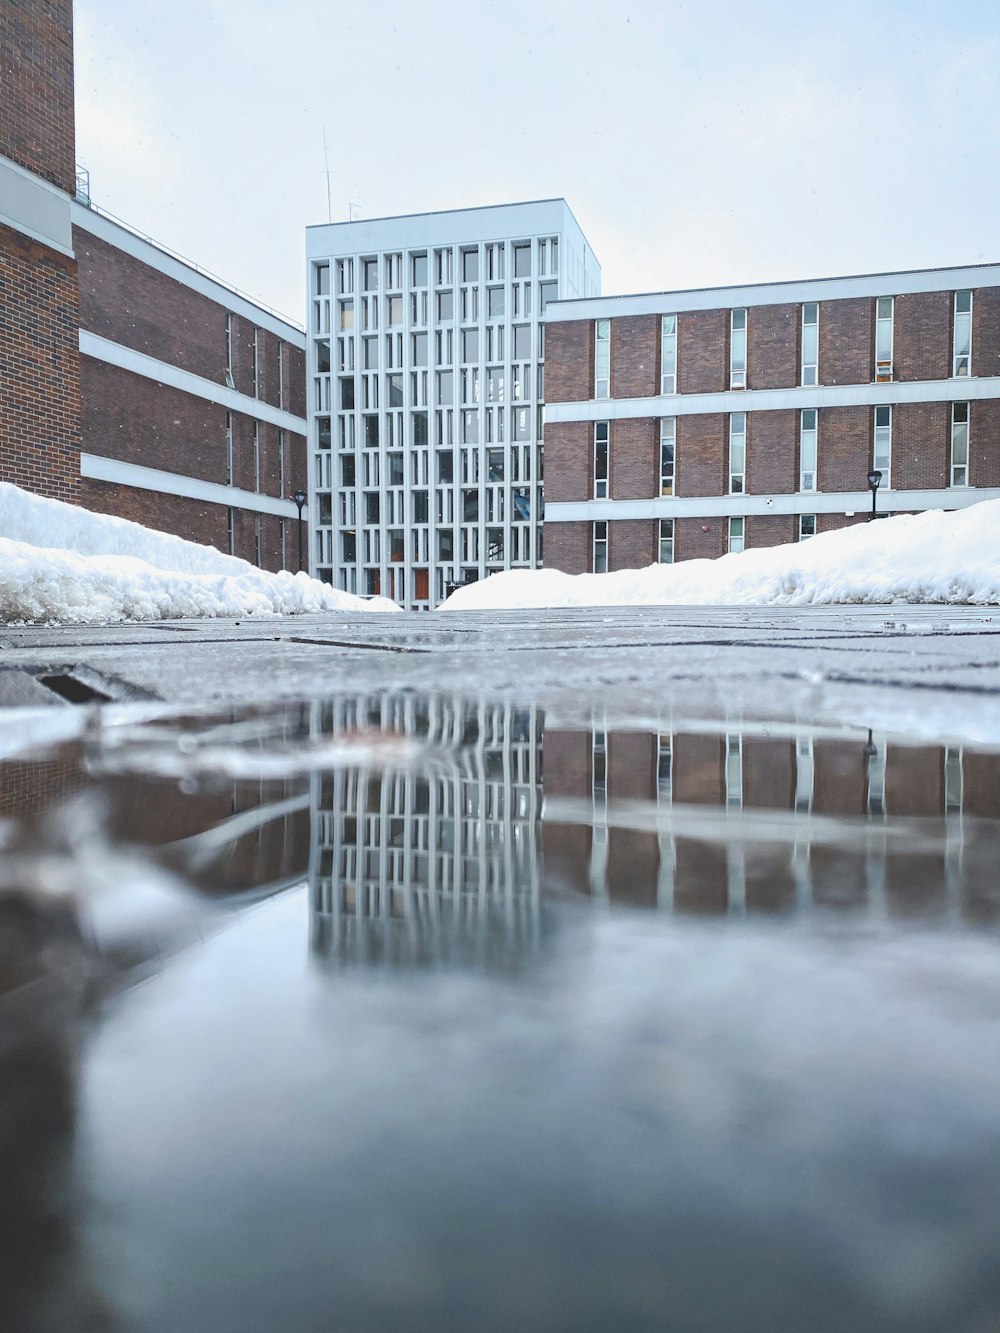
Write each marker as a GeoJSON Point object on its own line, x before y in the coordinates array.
{"type": "Point", "coordinates": [425, 386]}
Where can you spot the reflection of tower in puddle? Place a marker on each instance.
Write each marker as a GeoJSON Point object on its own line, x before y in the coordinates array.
{"type": "Point", "coordinates": [762, 819]}
{"type": "Point", "coordinates": [423, 861]}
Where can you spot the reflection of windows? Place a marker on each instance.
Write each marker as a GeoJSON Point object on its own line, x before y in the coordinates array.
{"type": "Point", "coordinates": [664, 766]}
{"type": "Point", "coordinates": [668, 354]}
{"type": "Point", "coordinates": [734, 771]}
{"type": "Point", "coordinates": [602, 359]}
{"type": "Point", "coordinates": [807, 526]}
{"type": "Point", "coordinates": [810, 342]}
{"type": "Point", "coordinates": [808, 432]}
{"type": "Point", "coordinates": [883, 338]}
{"type": "Point", "coordinates": [600, 548]}
{"type": "Point", "coordinates": [962, 358]}
{"type": "Point", "coordinates": [882, 451]}
{"type": "Point", "coordinates": [738, 349]}
{"type": "Point", "coordinates": [737, 452]}
{"type": "Point", "coordinates": [960, 444]}
{"type": "Point", "coordinates": [666, 541]}
{"type": "Point", "coordinates": [668, 440]}
{"type": "Point", "coordinates": [600, 460]}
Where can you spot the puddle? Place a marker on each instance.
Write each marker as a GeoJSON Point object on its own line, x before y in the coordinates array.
{"type": "Point", "coordinates": [408, 1012]}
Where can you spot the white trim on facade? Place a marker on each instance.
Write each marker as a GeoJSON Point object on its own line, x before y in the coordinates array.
{"type": "Point", "coordinates": [778, 293]}
{"type": "Point", "coordinates": [88, 219]}
{"type": "Point", "coordinates": [776, 400]}
{"type": "Point", "coordinates": [809, 502]}
{"type": "Point", "coordinates": [35, 207]}
{"type": "Point", "coordinates": [173, 483]}
{"type": "Point", "coordinates": [114, 354]}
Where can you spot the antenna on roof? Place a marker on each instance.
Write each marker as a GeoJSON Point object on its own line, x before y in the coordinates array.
{"type": "Point", "coordinates": [326, 162]}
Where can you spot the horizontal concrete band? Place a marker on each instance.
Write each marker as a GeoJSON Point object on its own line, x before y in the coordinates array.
{"type": "Point", "coordinates": [114, 354]}
{"type": "Point", "coordinates": [173, 483]}
{"type": "Point", "coordinates": [35, 208]}
{"type": "Point", "coordinates": [776, 400]}
{"type": "Point", "coordinates": [106, 229]}
{"type": "Point", "coordinates": [804, 502]}
{"type": "Point", "coordinates": [777, 293]}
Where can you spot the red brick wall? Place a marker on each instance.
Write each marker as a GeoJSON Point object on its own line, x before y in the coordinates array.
{"type": "Point", "coordinates": [36, 86]}
{"type": "Point", "coordinates": [986, 331]}
{"type": "Point", "coordinates": [569, 547]}
{"type": "Point", "coordinates": [771, 529]}
{"type": "Point", "coordinates": [698, 770]}
{"type": "Point", "coordinates": [632, 543]}
{"type": "Point", "coordinates": [921, 445]}
{"type": "Point", "coordinates": [914, 780]}
{"type": "Point", "coordinates": [569, 362]}
{"type": "Point", "coordinates": [773, 339]}
{"type": "Point", "coordinates": [692, 543]}
{"type": "Point", "coordinates": [703, 351]}
{"type": "Point", "coordinates": [844, 448]}
{"type": "Point", "coordinates": [839, 778]}
{"type": "Point", "coordinates": [295, 380]}
{"type": "Point", "coordinates": [702, 448]}
{"type": "Point", "coordinates": [834, 522]}
{"type": "Point", "coordinates": [195, 520]}
{"type": "Point", "coordinates": [39, 368]}
{"type": "Point", "coordinates": [772, 452]}
{"type": "Point", "coordinates": [921, 336]}
{"type": "Point", "coordinates": [130, 303]}
{"type": "Point", "coordinates": [635, 356]}
{"type": "Point", "coordinates": [634, 460]}
{"type": "Point", "coordinates": [569, 461]}
{"type": "Point", "coordinates": [128, 417]}
{"type": "Point", "coordinates": [984, 442]}
{"type": "Point", "coordinates": [846, 341]}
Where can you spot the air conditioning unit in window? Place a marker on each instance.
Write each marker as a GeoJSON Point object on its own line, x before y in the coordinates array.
{"type": "Point", "coordinates": [883, 372]}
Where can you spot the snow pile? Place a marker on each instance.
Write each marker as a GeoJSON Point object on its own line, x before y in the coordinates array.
{"type": "Point", "coordinates": [62, 563]}
{"type": "Point", "coordinates": [929, 557]}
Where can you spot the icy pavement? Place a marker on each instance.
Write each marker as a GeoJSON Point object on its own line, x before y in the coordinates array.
{"type": "Point", "coordinates": [916, 668]}
{"type": "Point", "coordinates": [406, 1008]}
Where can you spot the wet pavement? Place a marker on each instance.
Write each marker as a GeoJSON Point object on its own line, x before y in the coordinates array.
{"type": "Point", "coordinates": [454, 992]}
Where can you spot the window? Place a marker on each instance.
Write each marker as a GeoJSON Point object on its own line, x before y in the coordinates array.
{"type": "Point", "coordinates": [444, 267]}
{"type": "Point", "coordinates": [369, 275]}
{"type": "Point", "coordinates": [522, 260]}
{"type": "Point", "coordinates": [808, 432]}
{"type": "Point", "coordinates": [883, 339]}
{"type": "Point", "coordinates": [807, 526]}
{"type": "Point", "coordinates": [810, 343]}
{"type": "Point", "coordinates": [522, 342]}
{"type": "Point", "coordinates": [446, 386]}
{"type": "Point", "coordinates": [346, 316]}
{"type": "Point", "coordinates": [547, 291]}
{"type": "Point", "coordinates": [962, 359]}
{"type": "Point", "coordinates": [418, 270]}
{"type": "Point", "coordinates": [882, 452]}
{"type": "Point", "coordinates": [445, 305]}
{"type": "Point", "coordinates": [668, 354]}
{"type": "Point", "coordinates": [323, 280]}
{"type": "Point", "coordinates": [600, 548]}
{"type": "Point", "coordinates": [600, 460]}
{"type": "Point", "coordinates": [668, 438]}
{"type": "Point", "coordinates": [470, 345]}
{"type": "Point", "coordinates": [666, 541]}
{"type": "Point", "coordinates": [736, 534]}
{"type": "Point", "coordinates": [738, 350]}
{"type": "Point", "coordinates": [737, 452]}
{"type": "Point", "coordinates": [470, 265]}
{"type": "Point", "coordinates": [960, 444]}
{"type": "Point", "coordinates": [602, 359]}
{"type": "Point", "coordinates": [494, 303]}
{"type": "Point", "coordinates": [419, 348]}
{"type": "Point", "coordinates": [394, 271]}
{"type": "Point", "coordinates": [393, 310]}
{"type": "Point", "coordinates": [229, 348]}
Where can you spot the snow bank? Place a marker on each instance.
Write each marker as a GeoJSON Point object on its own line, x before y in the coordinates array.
{"type": "Point", "coordinates": [929, 557]}
{"type": "Point", "coordinates": [59, 562]}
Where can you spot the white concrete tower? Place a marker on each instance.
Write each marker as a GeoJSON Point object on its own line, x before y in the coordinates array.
{"type": "Point", "coordinates": [425, 369]}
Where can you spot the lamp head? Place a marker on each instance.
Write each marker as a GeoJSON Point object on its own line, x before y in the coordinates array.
{"type": "Point", "coordinates": [875, 479]}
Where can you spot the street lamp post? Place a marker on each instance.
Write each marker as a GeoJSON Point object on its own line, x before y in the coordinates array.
{"type": "Point", "coordinates": [300, 499]}
{"type": "Point", "coordinates": [874, 481]}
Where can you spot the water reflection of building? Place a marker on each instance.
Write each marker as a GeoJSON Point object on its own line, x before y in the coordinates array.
{"type": "Point", "coordinates": [418, 861]}
{"type": "Point", "coordinates": [745, 821]}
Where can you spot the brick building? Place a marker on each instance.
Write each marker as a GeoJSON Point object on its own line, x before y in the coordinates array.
{"type": "Point", "coordinates": [132, 383]}
{"type": "Point", "coordinates": [688, 424]}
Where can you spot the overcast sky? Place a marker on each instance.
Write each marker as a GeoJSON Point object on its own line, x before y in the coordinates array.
{"type": "Point", "coordinates": [698, 142]}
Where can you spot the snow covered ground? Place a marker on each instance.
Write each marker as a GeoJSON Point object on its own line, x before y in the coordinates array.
{"type": "Point", "coordinates": [936, 556]}
{"type": "Point", "coordinates": [61, 563]}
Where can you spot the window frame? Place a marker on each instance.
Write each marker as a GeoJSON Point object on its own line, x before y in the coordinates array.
{"type": "Point", "coordinates": [738, 373]}
{"type": "Point", "coordinates": [602, 358]}
{"type": "Point", "coordinates": [668, 342]}
{"type": "Point", "coordinates": [808, 474]}
{"type": "Point", "coordinates": [963, 466]}
{"type": "Point", "coordinates": [809, 368]}
{"type": "Point", "coordinates": [965, 356]}
{"type": "Point", "coordinates": [602, 437]}
{"type": "Point", "coordinates": [738, 479]}
{"type": "Point", "coordinates": [883, 365]}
